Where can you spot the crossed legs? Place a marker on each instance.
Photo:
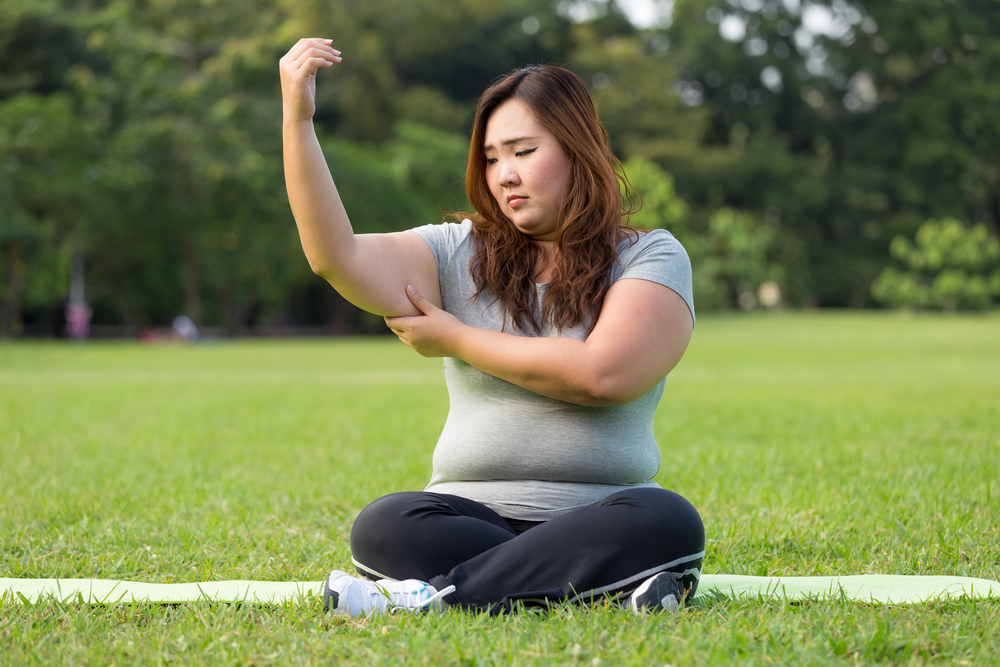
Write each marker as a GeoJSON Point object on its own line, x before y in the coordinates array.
{"type": "Point", "coordinates": [608, 548]}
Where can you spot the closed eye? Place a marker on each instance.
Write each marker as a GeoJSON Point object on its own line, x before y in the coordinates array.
{"type": "Point", "coordinates": [525, 152]}
{"type": "Point", "coordinates": [491, 160]}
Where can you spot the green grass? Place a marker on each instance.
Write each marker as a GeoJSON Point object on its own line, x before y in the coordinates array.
{"type": "Point", "coordinates": [811, 443]}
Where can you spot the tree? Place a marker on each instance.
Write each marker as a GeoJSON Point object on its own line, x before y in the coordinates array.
{"type": "Point", "coordinates": [801, 138]}
{"type": "Point", "coordinates": [950, 266]}
{"type": "Point", "coordinates": [45, 158]}
{"type": "Point", "coordinates": [849, 124]}
{"type": "Point", "coordinates": [661, 207]}
{"type": "Point", "coordinates": [190, 119]}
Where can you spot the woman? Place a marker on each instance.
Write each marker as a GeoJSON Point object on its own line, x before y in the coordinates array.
{"type": "Point", "coordinates": [558, 325]}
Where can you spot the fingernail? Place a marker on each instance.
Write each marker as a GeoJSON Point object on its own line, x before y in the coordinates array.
{"type": "Point", "coordinates": [410, 290]}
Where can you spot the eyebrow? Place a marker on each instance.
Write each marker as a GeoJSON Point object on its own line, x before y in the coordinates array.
{"type": "Point", "coordinates": [511, 142]}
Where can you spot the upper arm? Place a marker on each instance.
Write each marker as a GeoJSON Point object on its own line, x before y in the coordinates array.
{"type": "Point", "coordinates": [640, 335]}
{"type": "Point", "coordinates": [381, 267]}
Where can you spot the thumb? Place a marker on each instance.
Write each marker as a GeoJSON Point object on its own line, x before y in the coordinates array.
{"type": "Point", "coordinates": [422, 304]}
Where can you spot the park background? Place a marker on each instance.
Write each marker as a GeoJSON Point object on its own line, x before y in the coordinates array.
{"type": "Point", "coordinates": [843, 155]}
{"type": "Point", "coordinates": [839, 154]}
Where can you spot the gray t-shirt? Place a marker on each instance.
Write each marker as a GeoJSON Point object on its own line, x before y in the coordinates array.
{"type": "Point", "coordinates": [524, 455]}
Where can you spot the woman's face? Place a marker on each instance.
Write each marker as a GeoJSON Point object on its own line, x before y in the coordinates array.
{"type": "Point", "coordinates": [526, 169]}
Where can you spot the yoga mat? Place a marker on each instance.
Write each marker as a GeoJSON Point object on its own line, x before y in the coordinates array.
{"type": "Point", "coordinates": [880, 588]}
{"type": "Point", "coordinates": [111, 591]}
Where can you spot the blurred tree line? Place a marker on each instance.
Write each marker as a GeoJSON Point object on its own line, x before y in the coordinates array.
{"type": "Point", "coordinates": [786, 143]}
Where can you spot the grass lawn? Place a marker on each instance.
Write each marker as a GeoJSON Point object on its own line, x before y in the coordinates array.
{"type": "Point", "coordinates": [843, 443]}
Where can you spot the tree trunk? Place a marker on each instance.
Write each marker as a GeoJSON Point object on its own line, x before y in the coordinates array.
{"type": "Point", "coordinates": [993, 220]}
{"type": "Point", "coordinates": [13, 283]}
{"type": "Point", "coordinates": [192, 285]}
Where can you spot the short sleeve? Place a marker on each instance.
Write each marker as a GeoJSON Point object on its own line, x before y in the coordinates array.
{"type": "Point", "coordinates": [444, 239]}
{"type": "Point", "coordinates": [660, 258]}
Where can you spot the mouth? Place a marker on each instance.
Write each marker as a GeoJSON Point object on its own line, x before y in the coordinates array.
{"type": "Point", "coordinates": [514, 200]}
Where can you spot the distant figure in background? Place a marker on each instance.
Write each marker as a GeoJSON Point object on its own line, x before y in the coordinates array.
{"type": "Point", "coordinates": [77, 320]}
{"type": "Point", "coordinates": [558, 323]}
{"type": "Point", "coordinates": [77, 311]}
{"type": "Point", "coordinates": [185, 329]}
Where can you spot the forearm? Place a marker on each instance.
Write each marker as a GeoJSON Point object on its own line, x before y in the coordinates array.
{"type": "Point", "coordinates": [324, 228]}
{"type": "Point", "coordinates": [370, 270]}
{"type": "Point", "coordinates": [562, 368]}
{"type": "Point", "coordinates": [328, 239]}
{"type": "Point", "coordinates": [640, 336]}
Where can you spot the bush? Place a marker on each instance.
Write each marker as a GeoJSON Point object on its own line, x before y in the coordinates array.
{"type": "Point", "coordinates": [949, 266]}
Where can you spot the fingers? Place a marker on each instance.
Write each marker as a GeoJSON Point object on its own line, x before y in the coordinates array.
{"type": "Point", "coordinates": [400, 325]}
{"type": "Point", "coordinates": [417, 299]}
{"type": "Point", "coordinates": [312, 44]}
{"type": "Point", "coordinates": [308, 61]}
{"type": "Point", "coordinates": [316, 57]}
{"type": "Point", "coordinates": [310, 54]}
{"type": "Point", "coordinates": [396, 327]}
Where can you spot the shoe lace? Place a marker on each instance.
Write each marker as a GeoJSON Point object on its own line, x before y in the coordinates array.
{"type": "Point", "coordinates": [447, 590]}
{"type": "Point", "coordinates": [387, 600]}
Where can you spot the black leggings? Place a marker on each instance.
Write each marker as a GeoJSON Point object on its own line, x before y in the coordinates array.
{"type": "Point", "coordinates": [608, 548]}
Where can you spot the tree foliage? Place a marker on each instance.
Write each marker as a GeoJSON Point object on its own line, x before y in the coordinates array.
{"type": "Point", "coordinates": [852, 123]}
{"type": "Point", "coordinates": [949, 266]}
{"type": "Point", "coordinates": [781, 141]}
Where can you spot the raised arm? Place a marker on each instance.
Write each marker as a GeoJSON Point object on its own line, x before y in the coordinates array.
{"type": "Point", "coordinates": [369, 270]}
{"type": "Point", "coordinates": [642, 332]}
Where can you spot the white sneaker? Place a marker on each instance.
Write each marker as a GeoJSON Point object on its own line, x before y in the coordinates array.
{"type": "Point", "coordinates": [352, 596]}
{"type": "Point", "coordinates": [661, 592]}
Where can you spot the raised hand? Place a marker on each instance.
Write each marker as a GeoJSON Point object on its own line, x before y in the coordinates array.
{"type": "Point", "coordinates": [298, 76]}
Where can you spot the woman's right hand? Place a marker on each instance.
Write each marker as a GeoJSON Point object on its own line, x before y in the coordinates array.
{"type": "Point", "coordinates": [298, 76]}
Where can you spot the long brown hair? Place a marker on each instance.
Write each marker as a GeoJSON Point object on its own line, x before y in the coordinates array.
{"type": "Point", "coordinates": [590, 224]}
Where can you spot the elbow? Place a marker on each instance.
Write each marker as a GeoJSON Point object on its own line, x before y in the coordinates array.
{"type": "Point", "coordinates": [333, 277]}
{"type": "Point", "coordinates": [321, 269]}
{"type": "Point", "coordinates": [317, 265]}
{"type": "Point", "coordinates": [608, 391]}
{"type": "Point", "coordinates": [335, 267]}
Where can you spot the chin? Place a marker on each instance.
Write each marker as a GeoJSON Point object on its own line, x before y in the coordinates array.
{"type": "Point", "coordinates": [526, 229]}
{"type": "Point", "coordinates": [531, 229]}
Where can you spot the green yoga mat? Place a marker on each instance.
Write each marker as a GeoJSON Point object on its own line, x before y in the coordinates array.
{"type": "Point", "coordinates": [879, 588]}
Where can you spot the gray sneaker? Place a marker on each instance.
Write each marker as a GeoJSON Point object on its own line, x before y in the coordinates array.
{"type": "Point", "coordinates": [661, 592]}
{"type": "Point", "coordinates": [352, 596]}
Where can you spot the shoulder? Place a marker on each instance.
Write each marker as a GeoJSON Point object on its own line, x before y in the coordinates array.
{"type": "Point", "coordinates": [654, 246]}
{"type": "Point", "coordinates": [656, 256]}
{"type": "Point", "coordinates": [445, 239]}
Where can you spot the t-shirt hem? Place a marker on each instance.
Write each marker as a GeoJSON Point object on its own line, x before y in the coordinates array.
{"type": "Point", "coordinates": [514, 510]}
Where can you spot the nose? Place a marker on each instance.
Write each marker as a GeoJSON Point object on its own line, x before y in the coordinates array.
{"type": "Point", "coordinates": [508, 175]}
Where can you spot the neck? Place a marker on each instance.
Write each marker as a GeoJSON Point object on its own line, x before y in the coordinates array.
{"type": "Point", "coordinates": [546, 261]}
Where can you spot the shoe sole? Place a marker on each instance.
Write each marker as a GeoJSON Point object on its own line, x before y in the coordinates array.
{"type": "Point", "coordinates": [659, 593]}
{"type": "Point", "coordinates": [331, 599]}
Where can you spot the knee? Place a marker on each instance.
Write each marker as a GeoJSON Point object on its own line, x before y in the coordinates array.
{"type": "Point", "coordinates": [678, 520]}
{"type": "Point", "coordinates": [378, 510]}
{"type": "Point", "coordinates": [680, 513]}
{"type": "Point", "coordinates": [376, 520]}
{"type": "Point", "coordinates": [680, 508]}
{"type": "Point", "coordinates": [393, 517]}
{"type": "Point", "coordinates": [655, 500]}
{"type": "Point", "coordinates": [383, 513]}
